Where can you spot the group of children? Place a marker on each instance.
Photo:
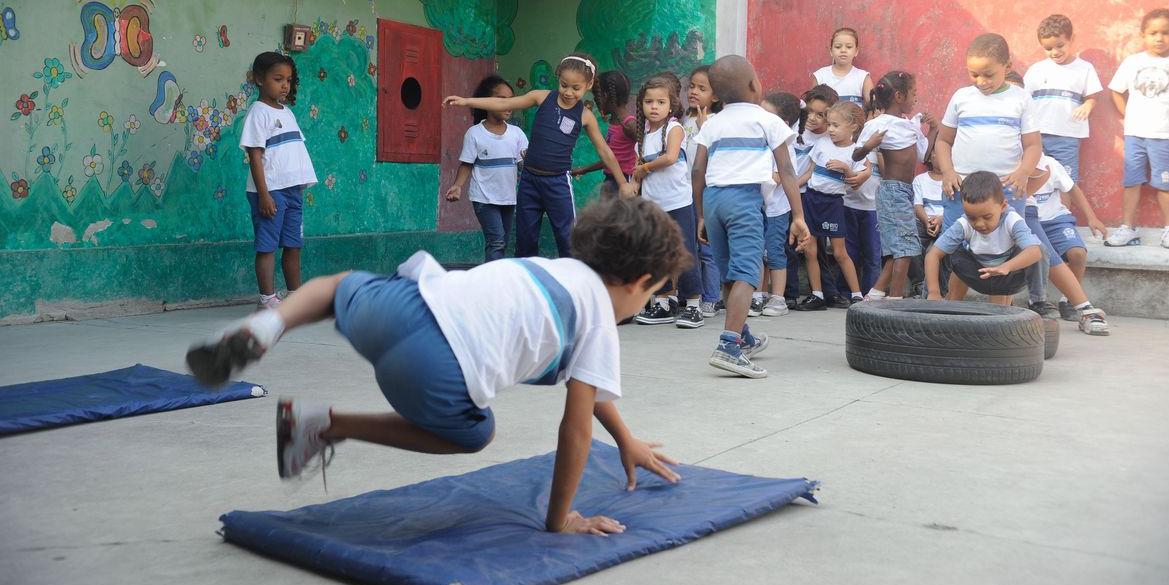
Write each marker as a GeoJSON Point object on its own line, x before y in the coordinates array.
{"type": "Point", "coordinates": [734, 185]}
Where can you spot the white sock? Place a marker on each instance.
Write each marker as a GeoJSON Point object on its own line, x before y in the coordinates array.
{"type": "Point", "coordinates": [818, 294]}
{"type": "Point", "coordinates": [664, 302]}
{"type": "Point", "coordinates": [265, 298]}
{"type": "Point", "coordinates": [1063, 299]}
{"type": "Point", "coordinates": [1083, 305]}
{"type": "Point", "coordinates": [757, 295]}
{"type": "Point", "coordinates": [266, 327]}
{"type": "Point", "coordinates": [894, 298]}
{"type": "Point", "coordinates": [857, 295]}
{"type": "Point", "coordinates": [692, 303]}
{"type": "Point", "coordinates": [876, 294]}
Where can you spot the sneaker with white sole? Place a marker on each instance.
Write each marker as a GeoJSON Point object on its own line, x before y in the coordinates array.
{"type": "Point", "coordinates": [753, 343]}
{"type": "Point", "coordinates": [689, 318]}
{"type": "Point", "coordinates": [755, 309]}
{"type": "Point", "coordinates": [708, 309]}
{"type": "Point", "coordinates": [1165, 237]}
{"type": "Point", "coordinates": [271, 303]}
{"type": "Point", "coordinates": [1123, 236]}
{"type": "Point", "coordinates": [775, 306]}
{"type": "Point", "coordinates": [729, 357]}
{"type": "Point", "coordinates": [1092, 322]}
{"type": "Point", "coordinates": [218, 358]}
{"type": "Point", "coordinates": [655, 314]}
{"type": "Point", "coordinates": [298, 438]}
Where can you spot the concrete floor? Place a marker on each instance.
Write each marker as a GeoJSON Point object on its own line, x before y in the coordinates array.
{"type": "Point", "coordinates": [1063, 480]}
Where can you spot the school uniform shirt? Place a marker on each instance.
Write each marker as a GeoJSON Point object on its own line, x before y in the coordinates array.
{"type": "Point", "coordinates": [850, 88]}
{"type": "Point", "coordinates": [1146, 79]}
{"type": "Point", "coordinates": [739, 144]}
{"type": "Point", "coordinates": [990, 129]}
{"type": "Point", "coordinates": [800, 151]}
{"type": "Point", "coordinates": [690, 126]}
{"type": "Point", "coordinates": [865, 198]}
{"type": "Point", "coordinates": [494, 158]}
{"type": "Point", "coordinates": [669, 187]}
{"type": "Point", "coordinates": [1058, 90]}
{"type": "Point", "coordinates": [824, 180]}
{"type": "Point", "coordinates": [990, 249]}
{"type": "Point", "coordinates": [552, 321]}
{"type": "Point", "coordinates": [899, 133]}
{"type": "Point", "coordinates": [286, 160]}
{"type": "Point", "coordinates": [1048, 196]}
{"type": "Point", "coordinates": [928, 193]}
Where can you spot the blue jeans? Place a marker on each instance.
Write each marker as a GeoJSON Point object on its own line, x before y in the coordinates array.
{"type": "Point", "coordinates": [496, 222]}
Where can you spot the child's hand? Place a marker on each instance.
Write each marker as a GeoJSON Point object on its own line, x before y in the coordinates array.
{"type": "Point", "coordinates": [638, 453]}
{"type": "Point", "coordinates": [267, 205]}
{"type": "Point", "coordinates": [1081, 113]}
{"type": "Point", "coordinates": [798, 234]}
{"type": "Point", "coordinates": [934, 227]}
{"type": "Point", "coordinates": [629, 190]}
{"type": "Point", "coordinates": [838, 166]}
{"type": "Point", "coordinates": [578, 173]}
{"type": "Point", "coordinates": [703, 114]}
{"type": "Point", "coordinates": [929, 120]}
{"type": "Point", "coordinates": [855, 180]}
{"type": "Point", "coordinates": [1017, 182]}
{"type": "Point", "coordinates": [639, 173]}
{"type": "Point", "coordinates": [991, 271]}
{"type": "Point", "coordinates": [934, 296]}
{"type": "Point", "coordinates": [874, 141]}
{"type": "Point", "coordinates": [454, 100]}
{"type": "Point", "coordinates": [1098, 228]}
{"type": "Point", "coordinates": [951, 183]}
{"type": "Point", "coordinates": [454, 193]}
{"type": "Point", "coordinates": [595, 525]}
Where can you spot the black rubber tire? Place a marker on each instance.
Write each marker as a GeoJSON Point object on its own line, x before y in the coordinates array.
{"type": "Point", "coordinates": [1050, 338]}
{"type": "Point", "coordinates": [946, 342]}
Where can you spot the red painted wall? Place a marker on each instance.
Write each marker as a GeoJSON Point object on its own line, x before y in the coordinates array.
{"type": "Point", "coordinates": [788, 39]}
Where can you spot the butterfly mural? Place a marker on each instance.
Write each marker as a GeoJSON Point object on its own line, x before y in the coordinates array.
{"type": "Point", "coordinates": [8, 30]}
{"type": "Point", "coordinates": [114, 32]}
{"type": "Point", "coordinates": [168, 99]}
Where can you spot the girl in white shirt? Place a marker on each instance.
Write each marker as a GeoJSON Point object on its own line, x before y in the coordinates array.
{"type": "Point", "coordinates": [851, 83]}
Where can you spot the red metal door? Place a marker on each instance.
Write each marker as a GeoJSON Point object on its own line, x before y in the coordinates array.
{"type": "Point", "coordinates": [409, 119]}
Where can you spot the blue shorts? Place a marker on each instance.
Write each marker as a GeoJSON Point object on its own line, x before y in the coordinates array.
{"type": "Point", "coordinates": [1146, 160]}
{"type": "Point", "coordinates": [733, 216]}
{"type": "Point", "coordinates": [824, 213]}
{"type": "Point", "coordinates": [775, 230]}
{"type": "Point", "coordinates": [388, 323]}
{"type": "Point", "coordinates": [896, 220]}
{"type": "Point", "coordinates": [1063, 235]}
{"type": "Point", "coordinates": [1066, 150]}
{"type": "Point", "coordinates": [286, 228]}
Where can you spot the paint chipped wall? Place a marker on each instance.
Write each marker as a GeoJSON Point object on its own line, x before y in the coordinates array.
{"type": "Point", "coordinates": [929, 39]}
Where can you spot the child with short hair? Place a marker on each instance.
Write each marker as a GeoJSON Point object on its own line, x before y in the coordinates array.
{"type": "Point", "coordinates": [1142, 76]}
{"type": "Point", "coordinates": [1064, 88]}
{"type": "Point", "coordinates": [990, 126]}
{"type": "Point", "coordinates": [665, 179]}
{"type": "Point", "coordinates": [739, 150]}
{"type": "Point", "coordinates": [701, 105]}
{"type": "Point", "coordinates": [280, 171]}
{"type": "Point", "coordinates": [492, 149]}
{"type": "Point", "coordinates": [813, 129]}
{"type": "Point", "coordinates": [852, 84]}
{"type": "Point", "coordinates": [987, 248]}
{"type": "Point", "coordinates": [612, 93]}
{"type": "Point", "coordinates": [552, 321]}
{"type": "Point", "coordinates": [545, 185]}
{"type": "Point", "coordinates": [777, 211]}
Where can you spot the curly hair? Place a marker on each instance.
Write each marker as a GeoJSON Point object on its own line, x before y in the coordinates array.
{"type": "Point", "coordinates": [485, 89]}
{"type": "Point", "coordinates": [852, 113]}
{"type": "Point", "coordinates": [1056, 25]}
{"type": "Point", "coordinates": [990, 46]}
{"type": "Point", "coordinates": [625, 239]}
{"type": "Point", "coordinates": [655, 82]}
{"type": "Point", "coordinates": [612, 89]}
{"type": "Point", "coordinates": [787, 106]}
{"type": "Point", "coordinates": [266, 61]}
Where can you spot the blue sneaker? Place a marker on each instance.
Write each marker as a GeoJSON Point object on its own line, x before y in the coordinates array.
{"type": "Point", "coordinates": [752, 344]}
{"type": "Point", "coordinates": [729, 356]}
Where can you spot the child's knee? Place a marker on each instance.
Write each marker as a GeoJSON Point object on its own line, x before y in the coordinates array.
{"type": "Point", "coordinates": [1077, 256]}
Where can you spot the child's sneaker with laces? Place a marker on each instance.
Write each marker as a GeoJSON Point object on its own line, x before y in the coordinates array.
{"type": "Point", "coordinates": [689, 318]}
{"type": "Point", "coordinates": [1092, 322]}
{"type": "Point", "coordinates": [218, 358]}
{"type": "Point", "coordinates": [751, 344]}
{"type": "Point", "coordinates": [298, 438]}
{"type": "Point", "coordinates": [775, 306]}
{"type": "Point", "coordinates": [755, 309]}
{"type": "Point", "coordinates": [812, 303]}
{"type": "Point", "coordinates": [708, 308]}
{"type": "Point", "coordinates": [729, 356]}
{"type": "Point", "coordinates": [655, 314]}
{"type": "Point", "coordinates": [1124, 236]}
{"type": "Point", "coordinates": [1067, 312]}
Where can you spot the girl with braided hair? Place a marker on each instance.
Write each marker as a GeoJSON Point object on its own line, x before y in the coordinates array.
{"type": "Point", "coordinates": [612, 93]}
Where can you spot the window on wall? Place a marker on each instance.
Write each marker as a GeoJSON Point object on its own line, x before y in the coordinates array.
{"type": "Point", "coordinates": [409, 118]}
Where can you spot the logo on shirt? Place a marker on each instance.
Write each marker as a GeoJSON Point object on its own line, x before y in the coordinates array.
{"type": "Point", "coordinates": [1152, 81]}
{"type": "Point", "coordinates": [278, 124]}
{"type": "Point", "coordinates": [483, 154]}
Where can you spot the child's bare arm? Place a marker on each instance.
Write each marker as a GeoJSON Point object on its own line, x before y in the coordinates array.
{"type": "Point", "coordinates": [1080, 201]}
{"type": "Point", "coordinates": [919, 212]}
{"type": "Point", "coordinates": [944, 159]}
{"type": "Point", "coordinates": [1120, 101]}
{"type": "Point", "coordinates": [634, 452]}
{"type": "Point", "coordinates": [630, 129]}
{"type": "Point", "coordinates": [798, 230]}
{"type": "Point", "coordinates": [572, 452]}
{"type": "Point", "coordinates": [698, 183]}
{"type": "Point", "coordinates": [933, 260]}
{"type": "Point", "coordinates": [1029, 256]}
{"type": "Point", "coordinates": [256, 162]}
{"type": "Point", "coordinates": [497, 104]}
{"type": "Point", "coordinates": [607, 157]}
{"type": "Point", "coordinates": [456, 190]}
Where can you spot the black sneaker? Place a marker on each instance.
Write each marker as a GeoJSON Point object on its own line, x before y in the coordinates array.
{"type": "Point", "coordinates": [689, 318]}
{"type": "Point", "coordinates": [720, 305]}
{"type": "Point", "coordinates": [839, 302]}
{"type": "Point", "coordinates": [1067, 312]}
{"type": "Point", "coordinates": [756, 307]}
{"type": "Point", "coordinates": [655, 314]}
{"type": "Point", "coordinates": [674, 307]}
{"type": "Point", "coordinates": [812, 303]}
{"type": "Point", "coordinates": [1044, 309]}
{"type": "Point", "coordinates": [791, 302]}
{"type": "Point", "coordinates": [854, 300]}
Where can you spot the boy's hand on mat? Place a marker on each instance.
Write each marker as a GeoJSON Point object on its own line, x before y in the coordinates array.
{"type": "Point", "coordinates": [595, 525]}
{"type": "Point", "coordinates": [985, 273]}
{"type": "Point", "coordinates": [454, 193]}
{"type": "Point", "coordinates": [638, 453]}
{"type": "Point", "coordinates": [267, 205]}
{"type": "Point", "coordinates": [951, 183]}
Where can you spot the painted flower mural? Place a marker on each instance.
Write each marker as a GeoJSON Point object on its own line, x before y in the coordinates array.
{"type": "Point", "coordinates": [45, 160]}
{"type": "Point", "coordinates": [25, 105]}
{"type": "Point", "coordinates": [56, 115]}
{"type": "Point", "coordinates": [105, 121]}
{"type": "Point", "coordinates": [19, 188]}
{"type": "Point", "coordinates": [125, 170]}
{"type": "Point", "coordinates": [52, 75]}
{"type": "Point", "coordinates": [199, 43]}
{"type": "Point", "coordinates": [132, 124]}
{"type": "Point", "coordinates": [69, 192]}
{"type": "Point", "coordinates": [92, 164]}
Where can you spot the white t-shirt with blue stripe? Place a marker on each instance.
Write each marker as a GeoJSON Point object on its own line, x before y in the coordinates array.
{"type": "Point", "coordinates": [1058, 90]}
{"type": "Point", "coordinates": [990, 129]}
{"type": "Point", "coordinates": [670, 187]}
{"type": "Point", "coordinates": [286, 160]}
{"type": "Point", "coordinates": [850, 88]}
{"type": "Point", "coordinates": [494, 158]}
{"type": "Point", "coordinates": [827, 181]}
{"type": "Point", "coordinates": [739, 142]}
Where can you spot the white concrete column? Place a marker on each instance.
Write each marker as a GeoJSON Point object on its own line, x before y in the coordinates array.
{"type": "Point", "coordinates": [730, 27]}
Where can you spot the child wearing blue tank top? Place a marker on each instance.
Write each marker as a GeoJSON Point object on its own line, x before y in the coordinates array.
{"type": "Point", "coordinates": [545, 185]}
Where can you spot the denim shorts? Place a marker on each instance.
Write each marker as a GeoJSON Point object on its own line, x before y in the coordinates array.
{"type": "Point", "coordinates": [775, 230]}
{"type": "Point", "coordinates": [1063, 235]}
{"type": "Point", "coordinates": [824, 213]}
{"type": "Point", "coordinates": [1066, 150]}
{"type": "Point", "coordinates": [1146, 160]}
{"type": "Point", "coordinates": [733, 216]}
{"type": "Point", "coordinates": [283, 230]}
{"type": "Point", "coordinates": [896, 221]}
{"type": "Point", "coordinates": [388, 323]}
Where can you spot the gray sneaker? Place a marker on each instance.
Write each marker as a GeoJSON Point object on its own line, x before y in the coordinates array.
{"type": "Point", "coordinates": [758, 342]}
{"type": "Point", "coordinates": [734, 361]}
{"type": "Point", "coordinates": [775, 306]}
{"type": "Point", "coordinates": [709, 309]}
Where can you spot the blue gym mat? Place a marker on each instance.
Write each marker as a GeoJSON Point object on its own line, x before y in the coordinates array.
{"type": "Point", "coordinates": [130, 391]}
{"type": "Point", "coordinates": [487, 526]}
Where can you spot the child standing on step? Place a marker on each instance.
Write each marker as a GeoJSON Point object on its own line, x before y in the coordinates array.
{"type": "Point", "coordinates": [280, 169]}
{"type": "Point", "coordinates": [852, 84]}
{"type": "Point", "coordinates": [545, 183]}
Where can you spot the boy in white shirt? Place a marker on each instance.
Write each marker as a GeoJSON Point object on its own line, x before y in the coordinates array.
{"type": "Point", "coordinates": [1060, 225]}
{"type": "Point", "coordinates": [1145, 78]}
{"type": "Point", "coordinates": [439, 358]}
{"type": "Point", "coordinates": [1064, 89]}
{"type": "Point", "coordinates": [737, 152]}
